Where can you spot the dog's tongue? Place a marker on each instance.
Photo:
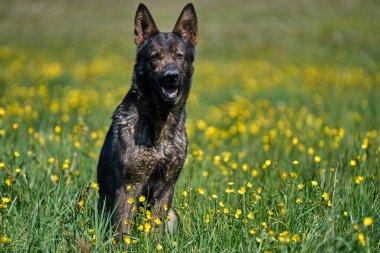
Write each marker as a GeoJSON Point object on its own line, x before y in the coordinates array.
{"type": "Point", "coordinates": [171, 91]}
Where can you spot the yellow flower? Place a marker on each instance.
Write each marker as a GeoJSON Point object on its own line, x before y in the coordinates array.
{"type": "Point", "coordinates": [16, 154]}
{"type": "Point", "coordinates": [353, 163]}
{"type": "Point", "coordinates": [5, 239]}
{"type": "Point", "coordinates": [295, 162]}
{"type": "Point", "coordinates": [81, 203]}
{"type": "Point", "coordinates": [268, 162]}
{"type": "Point", "coordinates": [51, 160]}
{"type": "Point", "coordinates": [94, 239]}
{"type": "Point", "coordinates": [255, 173]}
{"type": "Point", "coordinates": [8, 182]}
{"type": "Point", "coordinates": [221, 204]}
{"type": "Point", "coordinates": [147, 227]}
{"type": "Point", "coordinates": [2, 165]}
{"type": "Point", "coordinates": [325, 196]}
{"type": "Point", "coordinates": [142, 199]}
{"type": "Point", "coordinates": [296, 238]}
{"type": "Point", "coordinates": [314, 183]}
{"type": "Point", "coordinates": [55, 178]}
{"type": "Point", "coordinates": [252, 231]}
{"type": "Point", "coordinates": [201, 191]}
{"type": "Point", "coordinates": [18, 171]}
{"type": "Point", "coordinates": [299, 201]}
{"type": "Point", "coordinates": [214, 196]}
{"type": "Point", "coordinates": [238, 212]}
{"type": "Point", "coordinates": [159, 247]}
{"type": "Point", "coordinates": [127, 240]}
{"type": "Point", "coordinates": [249, 185]}
{"type": "Point", "coordinates": [367, 221]}
{"type": "Point", "coordinates": [57, 129]}
{"type": "Point", "coordinates": [358, 179]}
{"type": "Point", "coordinates": [226, 210]}
{"type": "Point", "coordinates": [345, 213]}
{"type": "Point", "coordinates": [241, 190]}
{"type": "Point", "coordinates": [361, 239]}
{"type": "Point", "coordinates": [317, 159]}
{"type": "Point", "coordinates": [184, 193]}
{"type": "Point", "coordinates": [229, 190]}
{"type": "Point", "coordinates": [91, 231]}
{"type": "Point", "coordinates": [95, 186]}
{"type": "Point", "coordinates": [15, 126]}
{"type": "Point", "coordinates": [250, 215]}
{"type": "Point", "coordinates": [300, 186]}
{"type": "Point", "coordinates": [130, 200]}
{"type": "Point", "coordinates": [157, 221]}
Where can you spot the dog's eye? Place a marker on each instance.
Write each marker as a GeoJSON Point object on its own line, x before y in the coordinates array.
{"type": "Point", "coordinates": [179, 56]}
{"type": "Point", "coordinates": [154, 57]}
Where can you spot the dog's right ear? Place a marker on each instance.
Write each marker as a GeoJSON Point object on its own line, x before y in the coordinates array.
{"type": "Point", "coordinates": [144, 25]}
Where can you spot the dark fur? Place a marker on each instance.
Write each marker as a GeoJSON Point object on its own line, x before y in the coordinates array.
{"type": "Point", "coordinates": [146, 144]}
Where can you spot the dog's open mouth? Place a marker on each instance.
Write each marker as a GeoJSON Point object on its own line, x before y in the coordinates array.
{"type": "Point", "coordinates": [170, 91]}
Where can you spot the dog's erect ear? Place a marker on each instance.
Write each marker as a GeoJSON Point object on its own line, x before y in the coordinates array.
{"type": "Point", "coordinates": [187, 25]}
{"type": "Point", "coordinates": [144, 24]}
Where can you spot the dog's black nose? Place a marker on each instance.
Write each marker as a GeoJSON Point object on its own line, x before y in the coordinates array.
{"type": "Point", "coordinates": [171, 76]}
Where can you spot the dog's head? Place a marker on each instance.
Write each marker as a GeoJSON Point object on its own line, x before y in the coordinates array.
{"type": "Point", "coordinates": [164, 60]}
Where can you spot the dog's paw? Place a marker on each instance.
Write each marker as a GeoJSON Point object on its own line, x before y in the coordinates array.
{"type": "Point", "coordinates": [173, 221]}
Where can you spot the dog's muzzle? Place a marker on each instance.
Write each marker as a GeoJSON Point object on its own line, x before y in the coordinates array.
{"type": "Point", "coordinates": [169, 85]}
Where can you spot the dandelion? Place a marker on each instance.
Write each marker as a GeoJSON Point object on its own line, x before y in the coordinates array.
{"type": "Point", "coordinates": [201, 191]}
{"type": "Point", "coordinates": [241, 190]}
{"type": "Point", "coordinates": [4, 202]}
{"type": "Point", "coordinates": [157, 221]}
{"type": "Point", "coordinates": [55, 178]}
{"type": "Point", "coordinates": [159, 247]}
{"type": "Point", "coordinates": [81, 203]}
{"type": "Point", "coordinates": [147, 227]}
{"type": "Point", "coordinates": [127, 240]}
{"type": "Point", "coordinates": [358, 180]}
{"type": "Point", "coordinates": [367, 221]}
{"type": "Point", "coordinates": [361, 239]}
{"type": "Point", "coordinates": [300, 186]}
{"type": "Point", "coordinates": [130, 200]}
{"type": "Point", "coordinates": [142, 198]}
{"type": "Point", "coordinates": [8, 182]}
{"type": "Point", "coordinates": [95, 186]}
{"type": "Point", "coordinates": [296, 238]}
{"type": "Point", "coordinates": [57, 129]}
{"type": "Point", "coordinates": [5, 239]}
{"type": "Point", "coordinates": [314, 183]}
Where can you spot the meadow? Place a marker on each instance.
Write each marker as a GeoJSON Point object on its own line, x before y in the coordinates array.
{"type": "Point", "coordinates": [283, 125]}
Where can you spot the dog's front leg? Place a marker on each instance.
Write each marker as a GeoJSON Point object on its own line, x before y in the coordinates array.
{"type": "Point", "coordinates": [162, 208]}
{"type": "Point", "coordinates": [126, 205]}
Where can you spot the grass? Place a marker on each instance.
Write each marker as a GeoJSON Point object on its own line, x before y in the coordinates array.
{"type": "Point", "coordinates": [282, 121]}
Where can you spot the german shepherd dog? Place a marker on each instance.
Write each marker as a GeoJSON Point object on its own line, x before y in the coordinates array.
{"type": "Point", "coordinates": [145, 147]}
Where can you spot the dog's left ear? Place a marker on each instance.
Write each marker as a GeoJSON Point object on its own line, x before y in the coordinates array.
{"type": "Point", "coordinates": [145, 26]}
{"type": "Point", "coordinates": [187, 25]}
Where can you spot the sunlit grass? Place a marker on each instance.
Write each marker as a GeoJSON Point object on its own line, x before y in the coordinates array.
{"type": "Point", "coordinates": [283, 156]}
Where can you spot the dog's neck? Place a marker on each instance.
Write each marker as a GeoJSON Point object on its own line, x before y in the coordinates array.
{"type": "Point", "coordinates": [161, 115]}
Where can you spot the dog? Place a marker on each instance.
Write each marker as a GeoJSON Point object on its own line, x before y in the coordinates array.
{"type": "Point", "coordinates": [146, 144]}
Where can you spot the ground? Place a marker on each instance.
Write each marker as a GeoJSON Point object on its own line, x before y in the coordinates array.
{"type": "Point", "coordinates": [283, 124]}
